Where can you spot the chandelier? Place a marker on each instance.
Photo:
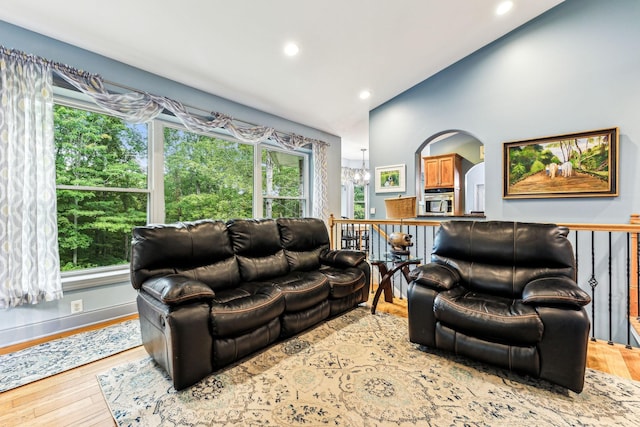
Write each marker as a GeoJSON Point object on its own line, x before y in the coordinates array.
{"type": "Point", "coordinates": [361, 176]}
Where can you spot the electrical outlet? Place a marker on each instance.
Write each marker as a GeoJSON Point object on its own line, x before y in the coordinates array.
{"type": "Point", "coordinates": [372, 211]}
{"type": "Point", "coordinates": [76, 306]}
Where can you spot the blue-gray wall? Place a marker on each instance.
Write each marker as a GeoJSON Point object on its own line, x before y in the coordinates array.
{"type": "Point", "coordinates": [105, 302]}
{"type": "Point", "coordinates": [575, 68]}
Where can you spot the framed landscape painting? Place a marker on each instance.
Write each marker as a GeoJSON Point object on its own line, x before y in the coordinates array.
{"type": "Point", "coordinates": [390, 179]}
{"type": "Point", "coordinates": [583, 164]}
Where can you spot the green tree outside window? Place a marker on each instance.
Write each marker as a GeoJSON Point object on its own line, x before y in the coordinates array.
{"type": "Point", "coordinates": [206, 177]}
{"type": "Point", "coordinates": [95, 152]}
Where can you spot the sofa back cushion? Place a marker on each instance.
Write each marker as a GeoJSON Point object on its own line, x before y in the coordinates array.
{"type": "Point", "coordinates": [256, 243]}
{"type": "Point", "coordinates": [303, 240]}
{"type": "Point", "coordinates": [501, 257]}
{"type": "Point", "coordinates": [200, 250]}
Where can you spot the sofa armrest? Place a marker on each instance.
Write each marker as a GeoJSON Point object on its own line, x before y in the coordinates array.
{"type": "Point", "coordinates": [342, 258]}
{"type": "Point", "coordinates": [554, 292]}
{"type": "Point", "coordinates": [436, 276]}
{"type": "Point", "coordinates": [176, 290]}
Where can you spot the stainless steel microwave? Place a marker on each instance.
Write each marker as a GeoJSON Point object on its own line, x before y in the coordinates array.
{"type": "Point", "coordinates": [439, 203]}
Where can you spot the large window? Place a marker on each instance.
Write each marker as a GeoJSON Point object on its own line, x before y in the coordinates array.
{"type": "Point", "coordinates": [101, 177]}
{"type": "Point", "coordinates": [206, 177]}
{"type": "Point", "coordinates": [111, 177]}
{"type": "Point", "coordinates": [283, 184]}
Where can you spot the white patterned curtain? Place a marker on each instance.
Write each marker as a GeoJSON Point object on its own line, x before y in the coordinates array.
{"type": "Point", "coordinates": [320, 177]}
{"type": "Point", "coordinates": [137, 107]}
{"type": "Point", "coordinates": [29, 261]}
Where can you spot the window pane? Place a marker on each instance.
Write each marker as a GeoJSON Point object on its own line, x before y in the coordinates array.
{"type": "Point", "coordinates": [94, 227]}
{"type": "Point", "coordinates": [97, 150]}
{"type": "Point", "coordinates": [94, 149]}
{"type": "Point", "coordinates": [283, 208]}
{"type": "Point", "coordinates": [282, 184]}
{"type": "Point", "coordinates": [358, 202]}
{"type": "Point", "coordinates": [282, 174]}
{"type": "Point", "coordinates": [358, 193]}
{"type": "Point", "coordinates": [206, 177]}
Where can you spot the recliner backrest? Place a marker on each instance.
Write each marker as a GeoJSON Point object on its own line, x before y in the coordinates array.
{"type": "Point", "coordinates": [303, 240]}
{"type": "Point", "coordinates": [256, 243]}
{"type": "Point", "coordinates": [501, 257]}
{"type": "Point", "coordinates": [200, 250]}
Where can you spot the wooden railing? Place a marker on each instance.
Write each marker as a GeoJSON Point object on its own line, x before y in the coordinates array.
{"type": "Point", "coordinates": [607, 259]}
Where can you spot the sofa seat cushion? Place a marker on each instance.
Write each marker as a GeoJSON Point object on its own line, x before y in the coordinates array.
{"type": "Point", "coordinates": [303, 290]}
{"type": "Point", "coordinates": [249, 306]}
{"type": "Point", "coordinates": [488, 317]}
{"type": "Point", "coordinates": [344, 281]}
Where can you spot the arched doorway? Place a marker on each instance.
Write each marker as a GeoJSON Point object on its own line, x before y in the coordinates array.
{"type": "Point", "coordinates": [471, 150]}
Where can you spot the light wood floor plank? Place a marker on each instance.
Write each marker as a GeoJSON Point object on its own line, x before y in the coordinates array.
{"type": "Point", "coordinates": [51, 401]}
{"type": "Point", "coordinates": [632, 361]}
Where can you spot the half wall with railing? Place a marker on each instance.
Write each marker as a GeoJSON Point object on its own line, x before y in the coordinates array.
{"type": "Point", "coordinates": [607, 259]}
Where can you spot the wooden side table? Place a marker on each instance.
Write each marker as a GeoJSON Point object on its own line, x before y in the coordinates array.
{"type": "Point", "coordinates": [385, 283]}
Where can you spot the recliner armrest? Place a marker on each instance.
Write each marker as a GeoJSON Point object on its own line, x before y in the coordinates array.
{"type": "Point", "coordinates": [436, 276]}
{"type": "Point", "coordinates": [176, 289]}
{"type": "Point", "coordinates": [342, 258]}
{"type": "Point", "coordinates": [555, 291]}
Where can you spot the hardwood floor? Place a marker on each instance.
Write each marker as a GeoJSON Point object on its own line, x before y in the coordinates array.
{"type": "Point", "coordinates": [73, 398]}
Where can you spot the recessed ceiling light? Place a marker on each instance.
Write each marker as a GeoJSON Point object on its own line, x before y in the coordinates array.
{"type": "Point", "coordinates": [291, 49]}
{"type": "Point", "coordinates": [365, 94]}
{"type": "Point", "coordinates": [504, 7]}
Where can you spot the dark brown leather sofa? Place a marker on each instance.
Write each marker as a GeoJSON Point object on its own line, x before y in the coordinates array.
{"type": "Point", "coordinates": [503, 293]}
{"type": "Point", "coordinates": [210, 292]}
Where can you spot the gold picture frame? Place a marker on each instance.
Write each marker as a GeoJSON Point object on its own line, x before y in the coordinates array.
{"type": "Point", "coordinates": [582, 164]}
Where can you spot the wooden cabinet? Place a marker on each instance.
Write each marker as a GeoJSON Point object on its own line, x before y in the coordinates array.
{"type": "Point", "coordinates": [442, 171]}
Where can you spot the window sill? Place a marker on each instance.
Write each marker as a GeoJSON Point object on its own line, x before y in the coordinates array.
{"type": "Point", "coordinates": [90, 279]}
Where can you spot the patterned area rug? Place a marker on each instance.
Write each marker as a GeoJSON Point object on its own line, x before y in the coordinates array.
{"type": "Point", "coordinates": [53, 357]}
{"type": "Point", "coordinates": [360, 370]}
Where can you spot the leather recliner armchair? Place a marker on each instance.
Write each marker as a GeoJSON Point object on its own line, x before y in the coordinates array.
{"type": "Point", "coordinates": [503, 293]}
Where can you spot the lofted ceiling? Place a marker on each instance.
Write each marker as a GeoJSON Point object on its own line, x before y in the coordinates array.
{"type": "Point", "coordinates": [234, 49]}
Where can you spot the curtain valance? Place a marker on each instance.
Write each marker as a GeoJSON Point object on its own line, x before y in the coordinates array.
{"type": "Point", "coordinates": [140, 107]}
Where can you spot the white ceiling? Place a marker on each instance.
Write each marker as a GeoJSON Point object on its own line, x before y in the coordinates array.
{"type": "Point", "coordinates": [234, 48]}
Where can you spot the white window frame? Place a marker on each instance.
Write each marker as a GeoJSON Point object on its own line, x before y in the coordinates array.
{"type": "Point", "coordinates": [105, 275]}
{"type": "Point", "coordinates": [169, 121]}
{"type": "Point", "coordinates": [258, 197]}
{"type": "Point", "coordinates": [365, 202]}
{"type": "Point", "coordinates": [109, 275]}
